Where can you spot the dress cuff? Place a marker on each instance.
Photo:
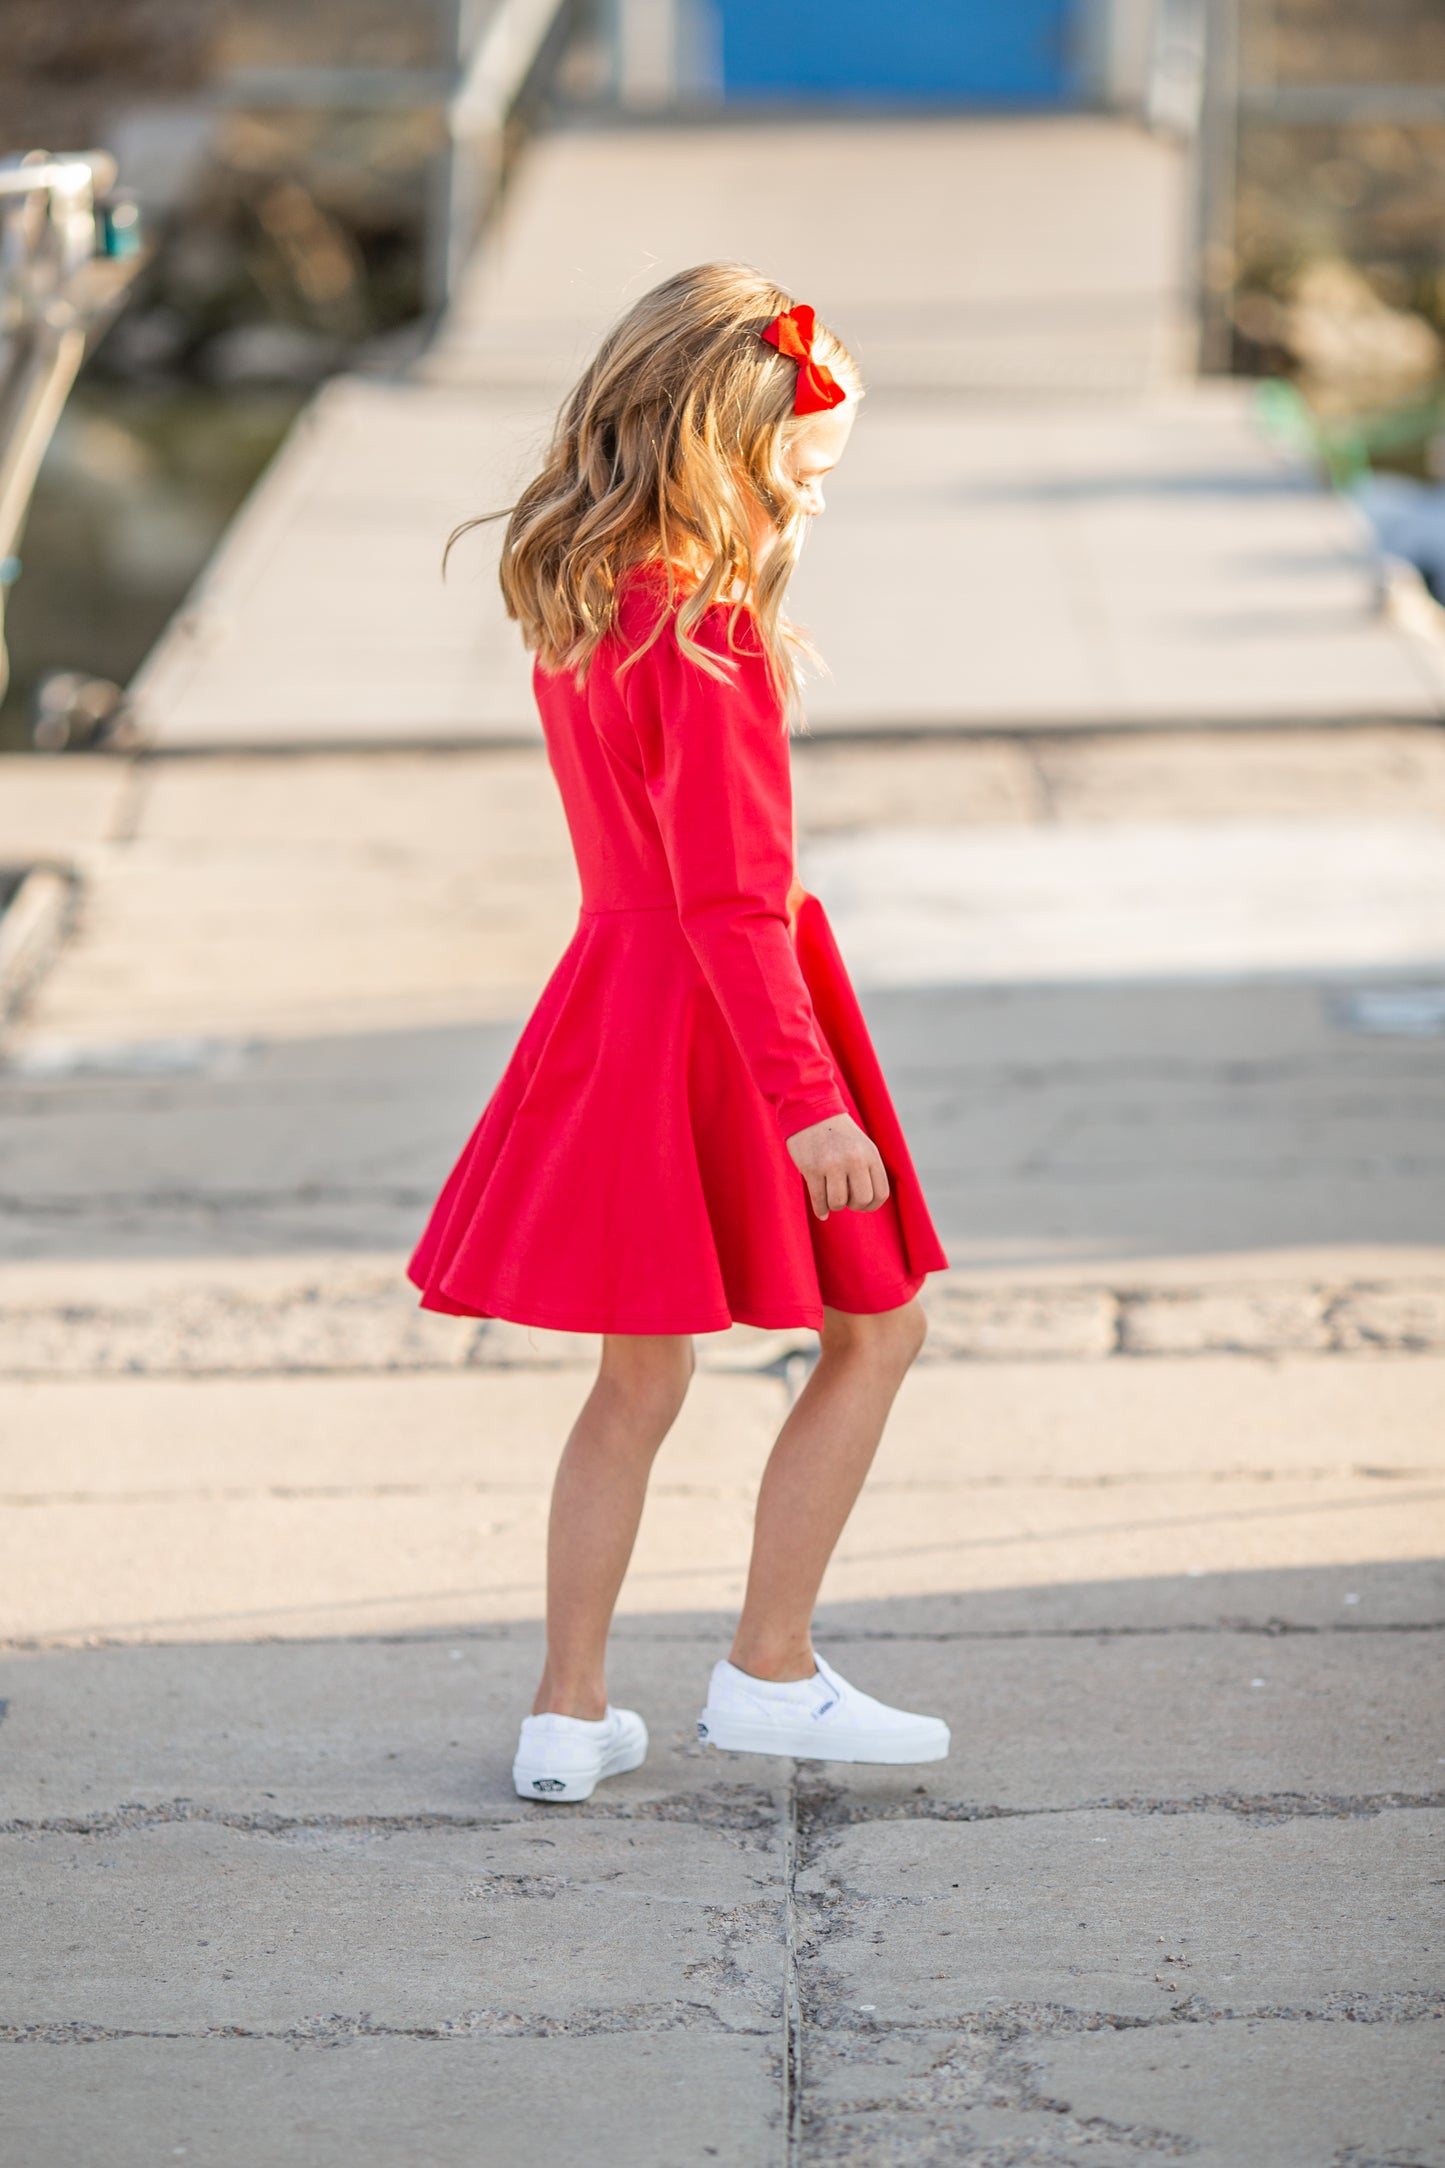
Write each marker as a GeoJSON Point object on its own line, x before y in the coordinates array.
{"type": "Point", "coordinates": [796, 1114]}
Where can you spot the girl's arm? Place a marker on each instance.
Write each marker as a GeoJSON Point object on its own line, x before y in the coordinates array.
{"type": "Point", "coordinates": [716, 761]}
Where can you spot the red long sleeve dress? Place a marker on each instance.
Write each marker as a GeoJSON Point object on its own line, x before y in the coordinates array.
{"type": "Point", "coordinates": [630, 1172]}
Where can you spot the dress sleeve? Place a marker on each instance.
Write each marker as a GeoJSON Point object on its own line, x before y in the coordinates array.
{"type": "Point", "coordinates": [715, 758]}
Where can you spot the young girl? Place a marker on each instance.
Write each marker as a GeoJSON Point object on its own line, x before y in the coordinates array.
{"type": "Point", "coordinates": [693, 1129]}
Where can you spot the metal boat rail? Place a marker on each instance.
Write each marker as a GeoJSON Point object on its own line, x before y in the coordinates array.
{"type": "Point", "coordinates": [70, 244]}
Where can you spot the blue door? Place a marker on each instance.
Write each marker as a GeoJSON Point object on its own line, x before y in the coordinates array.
{"type": "Point", "coordinates": [986, 52]}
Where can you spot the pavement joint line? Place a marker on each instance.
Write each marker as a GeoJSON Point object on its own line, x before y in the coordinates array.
{"type": "Point", "coordinates": [792, 2046]}
{"type": "Point", "coordinates": [1045, 796]}
{"type": "Point", "coordinates": [879, 1487]}
{"type": "Point", "coordinates": [806, 1816]}
{"type": "Point", "coordinates": [372, 1327]}
{"type": "Point", "coordinates": [421, 737]}
{"type": "Point", "coordinates": [1263, 1629]}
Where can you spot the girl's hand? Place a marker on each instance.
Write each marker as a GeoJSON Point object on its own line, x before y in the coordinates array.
{"type": "Point", "coordinates": [840, 1166]}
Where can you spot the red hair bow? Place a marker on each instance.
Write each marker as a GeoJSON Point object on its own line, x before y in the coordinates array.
{"type": "Point", "coordinates": [792, 335]}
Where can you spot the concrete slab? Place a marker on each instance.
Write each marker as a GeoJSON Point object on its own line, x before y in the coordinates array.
{"type": "Point", "coordinates": [1077, 614]}
{"type": "Point", "coordinates": [50, 809]}
{"type": "Point", "coordinates": [1086, 554]}
{"type": "Point", "coordinates": [1171, 900]}
{"type": "Point", "coordinates": [1082, 1425]}
{"type": "Point", "coordinates": [186, 1928]}
{"type": "Point", "coordinates": [1277, 2092]}
{"type": "Point", "coordinates": [1301, 774]}
{"type": "Point", "coordinates": [185, 1568]}
{"type": "Point", "coordinates": [955, 1428]}
{"type": "Point", "coordinates": [492, 811]}
{"type": "Point", "coordinates": [1353, 1594]}
{"type": "Point", "coordinates": [1180, 774]}
{"type": "Point", "coordinates": [485, 1433]}
{"type": "Point", "coordinates": [186, 939]}
{"type": "Point", "coordinates": [1218, 1129]}
{"type": "Point", "coordinates": [1282, 2095]}
{"type": "Point", "coordinates": [1092, 568]}
{"type": "Point", "coordinates": [838, 787]}
{"type": "Point", "coordinates": [370, 1733]}
{"type": "Point", "coordinates": [1090, 1129]}
{"type": "Point", "coordinates": [284, 1512]}
{"type": "Point", "coordinates": [181, 1558]}
{"type": "Point", "coordinates": [294, 637]}
{"type": "Point", "coordinates": [376, 1732]}
{"type": "Point", "coordinates": [372, 2099]}
{"type": "Point", "coordinates": [1063, 265]}
{"type": "Point", "coordinates": [1123, 1915]}
{"type": "Point", "coordinates": [343, 1072]}
{"type": "Point", "coordinates": [1042, 1724]}
{"type": "Point", "coordinates": [907, 1545]}
{"type": "Point", "coordinates": [237, 1569]}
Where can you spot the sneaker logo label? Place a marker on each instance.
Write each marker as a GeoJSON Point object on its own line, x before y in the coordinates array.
{"type": "Point", "coordinates": [702, 1730]}
{"type": "Point", "coordinates": [549, 1784]}
{"type": "Point", "coordinates": [823, 1711]}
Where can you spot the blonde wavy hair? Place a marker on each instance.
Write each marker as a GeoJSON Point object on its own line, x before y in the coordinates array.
{"type": "Point", "coordinates": [663, 452]}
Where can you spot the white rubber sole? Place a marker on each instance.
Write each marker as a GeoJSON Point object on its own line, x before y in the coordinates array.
{"type": "Point", "coordinates": [536, 1780]}
{"type": "Point", "coordinates": [734, 1735]}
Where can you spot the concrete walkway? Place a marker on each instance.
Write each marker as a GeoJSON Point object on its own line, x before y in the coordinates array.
{"type": "Point", "coordinates": [1040, 525]}
{"type": "Point", "coordinates": [1156, 1525]}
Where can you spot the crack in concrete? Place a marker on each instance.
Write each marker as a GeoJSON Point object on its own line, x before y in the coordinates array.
{"type": "Point", "coordinates": [331, 2030]}
{"type": "Point", "coordinates": [923, 2122]}
{"type": "Point", "coordinates": [1025, 2020]}
{"type": "Point", "coordinates": [740, 1929]}
{"type": "Point", "coordinates": [965, 2076]}
{"type": "Point", "coordinates": [824, 1807]}
{"type": "Point", "coordinates": [737, 1810]}
{"type": "Point", "coordinates": [1355, 2156]}
{"type": "Point", "coordinates": [983, 2063]}
{"type": "Point", "coordinates": [817, 1809]}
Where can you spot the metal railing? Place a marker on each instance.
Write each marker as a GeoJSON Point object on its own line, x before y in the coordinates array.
{"type": "Point", "coordinates": [495, 50]}
{"type": "Point", "coordinates": [69, 246]}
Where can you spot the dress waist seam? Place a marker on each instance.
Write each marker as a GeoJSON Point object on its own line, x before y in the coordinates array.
{"type": "Point", "coordinates": [624, 910]}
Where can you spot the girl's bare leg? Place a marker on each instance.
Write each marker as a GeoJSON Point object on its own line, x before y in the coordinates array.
{"type": "Point", "coordinates": [824, 1451]}
{"type": "Point", "coordinates": [596, 1505]}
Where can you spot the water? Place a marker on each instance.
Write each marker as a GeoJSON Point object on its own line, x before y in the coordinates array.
{"type": "Point", "coordinates": [138, 486]}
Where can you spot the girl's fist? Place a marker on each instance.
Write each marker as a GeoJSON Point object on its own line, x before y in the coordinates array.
{"type": "Point", "coordinates": [840, 1166]}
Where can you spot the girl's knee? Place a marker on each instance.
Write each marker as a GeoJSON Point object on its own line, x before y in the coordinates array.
{"type": "Point", "coordinates": [889, 1337]}
{"type": "Point", "coordinates": [653, 1370]}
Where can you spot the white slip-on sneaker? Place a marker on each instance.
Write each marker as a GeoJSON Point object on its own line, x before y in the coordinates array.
{"type": "Point", "coordinates": [817, 1719]}
{"type": "Point", "coordinates": [565, 1758]}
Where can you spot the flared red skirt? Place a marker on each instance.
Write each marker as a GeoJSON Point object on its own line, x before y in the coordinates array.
{"type": "Point", "coordinates": [627, 1175]}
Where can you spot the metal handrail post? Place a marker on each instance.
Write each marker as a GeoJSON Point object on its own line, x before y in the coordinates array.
{"type": "Point", "coordinates": [60, 275]}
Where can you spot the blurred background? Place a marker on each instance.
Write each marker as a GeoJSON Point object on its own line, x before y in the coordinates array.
{"type": "Point", "coordinates": [310, 182]}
